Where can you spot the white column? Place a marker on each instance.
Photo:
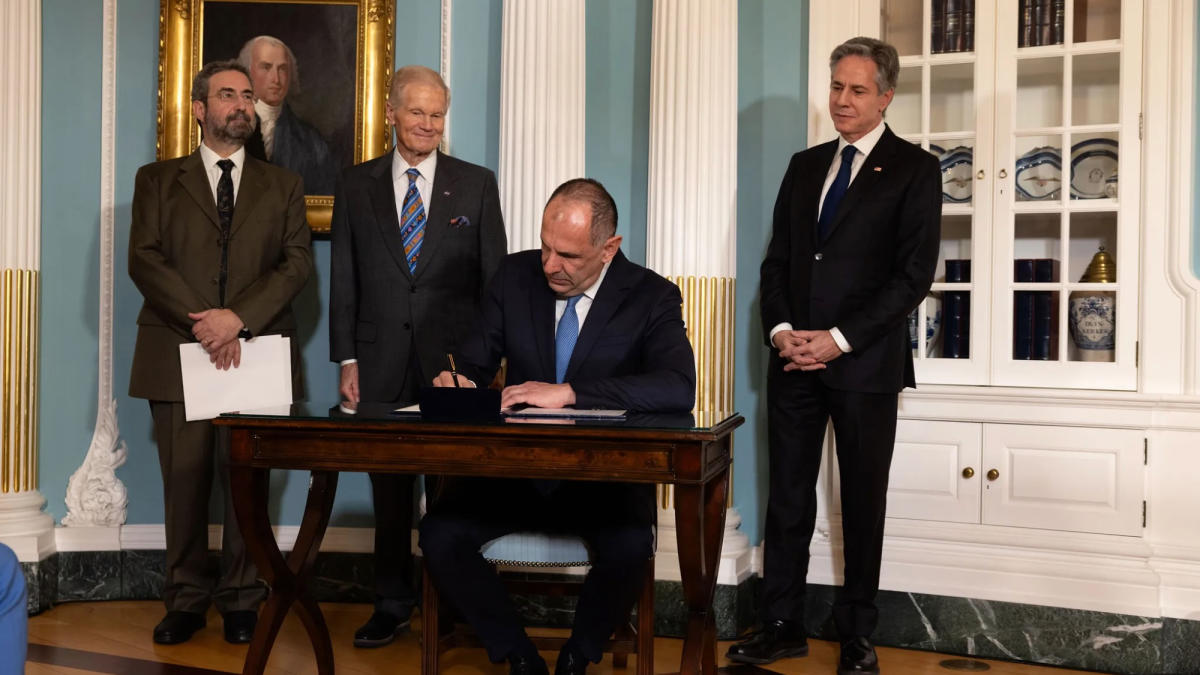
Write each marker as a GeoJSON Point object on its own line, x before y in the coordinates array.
{"type": "Point", "coordinates": [95, 497]}
{"type": "Point", "coordinates": [23, 525]}
{"type": "Point", "coordinates": [691, 230]}
{"type": "Point", "coordinates": [542, 85]}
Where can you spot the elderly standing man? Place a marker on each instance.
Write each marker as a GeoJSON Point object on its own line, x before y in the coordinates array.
{"type": "Point", "coordinates": [281, 136]}
{"type": "Point", "coordinates": [219, 247]}
{"type": "Point", "coordinates": [853, 250]}
{"type": "Point", "coordinates": [416, 234]}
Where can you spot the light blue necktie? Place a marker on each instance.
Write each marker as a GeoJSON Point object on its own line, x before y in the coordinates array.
{"type": "Point", "coordinates": [837, 190]}
{"type": "Point", "coordinates": [412, 226]}
{"type": "Point", "coordinates": [565, 337]}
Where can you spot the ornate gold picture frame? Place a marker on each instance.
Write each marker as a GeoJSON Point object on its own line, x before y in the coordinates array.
{"type": "Point", "coordinates": [182, 37]}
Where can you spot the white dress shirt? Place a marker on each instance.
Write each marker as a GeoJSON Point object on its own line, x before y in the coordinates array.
{"type": "Point", "coordinates": [583, 305]}
{"type": "Point", "coordinates": [427, 167]}
{"type": "Point", "coordinates": [210, 159]}
{"type": "Point", "coordinates": [864, 146]}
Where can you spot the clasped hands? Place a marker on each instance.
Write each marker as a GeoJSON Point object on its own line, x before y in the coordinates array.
{"type": "Point", "coordinates": [806, 349]}
{"type": "Point", "coordinates": [217, 331]}
{"type": "Point", "coordinates": [536, 394]}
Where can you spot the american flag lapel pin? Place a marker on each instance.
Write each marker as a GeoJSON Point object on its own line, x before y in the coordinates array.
{"type": "Point", "coordinates": [878, 168]}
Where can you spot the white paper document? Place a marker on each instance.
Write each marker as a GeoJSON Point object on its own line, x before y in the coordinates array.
{"type": "Point", "coordinates": [566, 413]}
{"type": "Point", "coordinates": [263, 381]}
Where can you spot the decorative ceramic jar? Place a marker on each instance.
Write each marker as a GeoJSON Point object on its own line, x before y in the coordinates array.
{"type": "Point", "coordinates": [1093, 314]}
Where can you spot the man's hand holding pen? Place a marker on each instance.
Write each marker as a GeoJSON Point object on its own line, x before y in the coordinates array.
{"type": "Point", "coordinates": [448, 378]}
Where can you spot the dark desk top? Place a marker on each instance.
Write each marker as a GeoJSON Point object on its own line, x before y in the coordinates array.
{"type": "Point", "coordinates": [371, 415]}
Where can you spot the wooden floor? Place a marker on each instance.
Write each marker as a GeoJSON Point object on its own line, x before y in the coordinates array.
{"type": "Point", "coordinates": [114, 637]}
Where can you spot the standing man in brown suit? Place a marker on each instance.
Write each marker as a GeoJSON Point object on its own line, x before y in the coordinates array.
{"type": "Point", "coordinates": [219, 246]}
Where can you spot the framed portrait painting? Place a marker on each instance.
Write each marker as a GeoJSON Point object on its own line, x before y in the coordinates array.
{"type": "Point", "coordinates": [320, 71]}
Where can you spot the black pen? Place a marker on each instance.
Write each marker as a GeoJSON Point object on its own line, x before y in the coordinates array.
{"type": "Point", "coordinates": [453, 372]}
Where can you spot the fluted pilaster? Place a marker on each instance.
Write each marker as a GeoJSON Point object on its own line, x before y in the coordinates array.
{"type": "Point", "coordinates": [691, 229]}
{"type": "Point", "coordinates": [95, 497]}
{"type": "Point", "coordinates": [23, 526]}
{"type": "Point", "coordinates": [542, 99]}
{"type": "Point", "coordinates": [691, 233]}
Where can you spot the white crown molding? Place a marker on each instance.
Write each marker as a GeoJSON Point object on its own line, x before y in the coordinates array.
{"type": "Point", "coordinates": [95, 496]}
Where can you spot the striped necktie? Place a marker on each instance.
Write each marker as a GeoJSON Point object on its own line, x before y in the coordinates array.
{"type": "Point", "coordinates": [412, 221]}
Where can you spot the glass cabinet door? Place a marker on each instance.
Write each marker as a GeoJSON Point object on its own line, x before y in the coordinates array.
{"type": "Point", "coordinates": [943, 103]}
{"type": "Point", "coordinates": [1067, 148]}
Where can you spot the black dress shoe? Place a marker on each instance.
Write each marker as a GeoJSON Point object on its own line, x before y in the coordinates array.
{"type": "Point", "coordinates": [177, 627]}
{"type": "Point", "coordinates": [570, 662]}
{"type": "Point", "coordinates": [239, 626]}
{"type": "Point", "coordinates": [858, 656]}
{"type": "Point", "coordinates": [527, 665]}
{"type": "Point", "coordinates": [380, 630]}
{"type": "Point", "coordinates": [778, 639]}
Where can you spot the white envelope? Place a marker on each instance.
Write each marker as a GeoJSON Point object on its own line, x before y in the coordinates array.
{"type": "Point", "coordinates": [263, 380]}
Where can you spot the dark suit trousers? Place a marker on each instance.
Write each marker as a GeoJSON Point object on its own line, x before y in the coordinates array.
{"type": "Point", "coordinates": [799, 406]}
{"type": "Point", "coordinates": [471, 512]}
{"type": "Point", "coordinates": [392, 497]}
{"type": "Point", "coordinates": [188, 455]}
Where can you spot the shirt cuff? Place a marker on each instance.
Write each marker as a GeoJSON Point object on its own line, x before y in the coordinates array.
{"type": "Point", "coordinates": [347, 362]}
{"type": "Point", "coordinates": [840, 340]}
{"type": "Point", "coordinates": [778, 327]}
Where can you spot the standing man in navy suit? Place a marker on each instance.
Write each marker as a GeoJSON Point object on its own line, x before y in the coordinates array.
{"type": "Point", "coordinates": [580, 326]}
{"type": "Point", "coordinates": [853, 250]}
{"type": "Point", "coordinates": [416, 234]}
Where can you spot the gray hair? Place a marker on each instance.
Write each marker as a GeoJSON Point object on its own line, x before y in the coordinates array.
{"type": "Point", "coordinates": [887, 62]}
{"type": "Point", "coordinates": [246, 58]}
{"type": "Point", "coordinates": [407, 75]}
{"type": "Point", "coordinates": [604, 209]}
{"type": "Point", "coordinates": [200, 82]}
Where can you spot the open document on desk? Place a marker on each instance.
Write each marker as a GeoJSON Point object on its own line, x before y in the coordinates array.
{"type": "Point", "coordinates": [563, 413]}
{"type": "Point", "coordinates": [529, 411]}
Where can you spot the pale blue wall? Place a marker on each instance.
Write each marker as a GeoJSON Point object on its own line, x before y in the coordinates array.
{"type": "Point", "coordinates": [772, 85]}
{"type": "Point", "coordinates": [772, 66]}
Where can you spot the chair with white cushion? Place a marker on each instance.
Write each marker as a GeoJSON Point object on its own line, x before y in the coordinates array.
{"type": "Point", "coordinates": [538, 552]}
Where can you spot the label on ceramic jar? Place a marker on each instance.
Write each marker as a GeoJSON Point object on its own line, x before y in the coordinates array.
{"type": "Point", "coordinates": [1093, 321]}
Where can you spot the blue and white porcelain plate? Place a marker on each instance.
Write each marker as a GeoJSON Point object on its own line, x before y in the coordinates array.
{"type": "Point", "coordinates": [956, 166]}
{"type": "Point", "coordinates": [1039, 174]}
{"type": "Point", "coordinates": [1093, 163]}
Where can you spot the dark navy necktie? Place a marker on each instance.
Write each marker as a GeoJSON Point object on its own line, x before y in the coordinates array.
{"type": "Point", "coordinates": [837, 190]}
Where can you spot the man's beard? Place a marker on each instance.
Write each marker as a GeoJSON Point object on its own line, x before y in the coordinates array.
{"type": "Point", "coordinates": [236, 128]}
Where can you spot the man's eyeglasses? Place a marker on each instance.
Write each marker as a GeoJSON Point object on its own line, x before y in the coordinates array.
{"type": "Point", "coordinates": [229, 96]}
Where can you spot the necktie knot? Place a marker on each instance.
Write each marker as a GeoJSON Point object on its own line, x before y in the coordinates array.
{"type": "Point", "coordinates": [848, 153]}
{"type": "Point", "coordinates": [413, 174]}
{"type": "Point", "coordinates": [226, 165]}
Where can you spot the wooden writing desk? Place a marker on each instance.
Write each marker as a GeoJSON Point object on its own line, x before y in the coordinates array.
{"type": "Point", "coordinates": [690, 452]}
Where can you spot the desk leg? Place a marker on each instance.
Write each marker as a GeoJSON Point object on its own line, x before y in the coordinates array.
{"type": "Point", "coordinates": [288, 579]}
{"type": "Point", "coordinates": [699, 526]}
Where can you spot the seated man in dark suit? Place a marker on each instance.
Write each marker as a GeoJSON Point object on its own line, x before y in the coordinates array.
{"type": "Point", "coordinates": [580, 326]}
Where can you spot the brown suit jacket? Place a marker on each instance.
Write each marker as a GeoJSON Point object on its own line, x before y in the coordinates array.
{"type": "Point", "coordinates": [175, 256]}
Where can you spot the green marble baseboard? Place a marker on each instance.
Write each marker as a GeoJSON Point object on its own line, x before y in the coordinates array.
{"type": "Point", "coordinates": [1085, 640]}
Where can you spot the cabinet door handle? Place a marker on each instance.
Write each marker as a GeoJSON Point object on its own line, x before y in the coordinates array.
{"type": "Point", "coordinates": [979, 176]}
{"type": "Point", "coordinates": [993, 474]}
{"type": "Point", "coordinates": [1004, 173]}
{"type": "Point", "coordinates": [968, 472]}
